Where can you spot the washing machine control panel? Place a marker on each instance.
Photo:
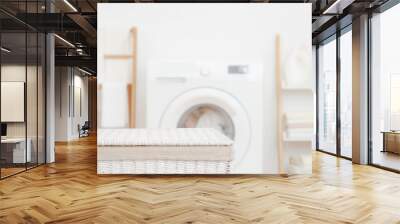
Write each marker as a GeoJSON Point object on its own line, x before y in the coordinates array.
{"type": "Point", "coordinates": [230, 71]}
{"type": "Point", "coordinates": [220, 71]}
{"type": "Point", "coordinates": [238, 69]}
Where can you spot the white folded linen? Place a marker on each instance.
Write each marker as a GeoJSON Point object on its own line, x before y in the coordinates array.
{"type": "Point", "coordinates": [179, 153]}
{"type": "Point", "coordinates": [162, 137]}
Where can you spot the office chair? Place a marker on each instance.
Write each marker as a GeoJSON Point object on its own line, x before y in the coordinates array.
{"type": "Point", "coordinates": [84, 130]}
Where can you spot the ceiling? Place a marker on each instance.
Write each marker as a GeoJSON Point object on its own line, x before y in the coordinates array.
{"type": "Point", "coordinates": [76, 21]}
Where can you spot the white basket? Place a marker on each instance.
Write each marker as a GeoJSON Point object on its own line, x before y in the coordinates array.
{"type": "Point", "coordinates": [162, 167]}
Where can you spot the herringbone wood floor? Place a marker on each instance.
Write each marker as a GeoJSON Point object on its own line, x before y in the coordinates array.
{"type": "Point", "coordinates": [69, 191]}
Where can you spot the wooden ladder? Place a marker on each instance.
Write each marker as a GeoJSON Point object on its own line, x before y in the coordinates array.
{"type": "Point", "coordinates": [131, 87]}
{"type": "Point", "coordinates": [279, 106]}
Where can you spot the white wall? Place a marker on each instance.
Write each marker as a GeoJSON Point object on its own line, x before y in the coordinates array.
{"type": "Point", "coordinates": [235, 32]}
{"type": "Point", "coordinates": [245, 31]}
{"type": "Point", "coordinates": [61, 103]}
{"type": "Point", "coordinates": [68, 81]}
{"type": "Point", "coordinates": [80, 83]}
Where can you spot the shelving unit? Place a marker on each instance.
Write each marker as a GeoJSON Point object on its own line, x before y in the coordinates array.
{"type": "Point", "coordinates": [295, 121]}
{"type": "Point", "coordinates": [296, 139]}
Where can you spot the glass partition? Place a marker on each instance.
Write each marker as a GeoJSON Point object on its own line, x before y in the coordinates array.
{"type": "Point", "coordinates": [346, 94]}
{"type": "Point", "coordinates": [385, 90]}
{"type": "Point", "coordinates": [22, 77]}
{"type": "Point", "coordinates": [32, 95]}
{"type": "Point", "coordinates": [14, 145]}
{"type": "Point", "coordinates": [327, 97]}
{"type": "Point", "coordinates": [41, 107]}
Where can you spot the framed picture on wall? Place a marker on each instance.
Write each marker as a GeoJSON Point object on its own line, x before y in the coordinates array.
{"type": "Point", "coordinates": [12, 101]}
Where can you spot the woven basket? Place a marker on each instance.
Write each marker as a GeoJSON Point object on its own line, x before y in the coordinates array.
{"type": "Point", "coordinates": [163, 167]}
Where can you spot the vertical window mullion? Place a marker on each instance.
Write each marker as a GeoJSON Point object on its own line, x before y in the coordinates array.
{"type": "Point", "coordinates": [37, 90]}
{"type": "Point", "coordinates": [26, 87]}
{"type": "Point", "coordinates": [369, 91]}
{"type": "Point", "coordinates": [0, 94]}
{"type": "Point", "coordinates": [317, 96]}
{"type": "Point", "coordinates": [338, 73]}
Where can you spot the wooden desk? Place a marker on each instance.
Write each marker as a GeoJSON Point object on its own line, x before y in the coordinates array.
{"type": "Point", "coordinates": [391, 142]}
{"type": "Point", "coordinates": [13, 150]}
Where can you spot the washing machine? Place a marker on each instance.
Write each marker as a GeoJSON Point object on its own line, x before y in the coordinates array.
{"type": "Point", "coordinates": [226, 96]}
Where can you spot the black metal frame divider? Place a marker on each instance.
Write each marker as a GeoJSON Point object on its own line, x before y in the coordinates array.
{"type": "Point", "coordinates": [0, 92]}
{"type": "Point", "coordinates": [338, 98]}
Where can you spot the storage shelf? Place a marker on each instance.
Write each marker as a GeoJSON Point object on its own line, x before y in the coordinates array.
{"type": "Point", "coordinates": [295, 122]}
{"type": "Point", "coordinates": [297, 137]}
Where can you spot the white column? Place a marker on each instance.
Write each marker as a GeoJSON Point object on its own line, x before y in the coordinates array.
{"type": "Point", "coordinates": [50, 99]}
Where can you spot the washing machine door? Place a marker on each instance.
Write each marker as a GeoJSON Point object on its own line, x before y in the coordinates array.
{"type": "Point", "coordinates": [211, 108]}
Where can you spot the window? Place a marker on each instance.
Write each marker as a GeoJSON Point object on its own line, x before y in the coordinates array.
{"type": "Point", "coordinates": [385, 89]}
{"type": "Point", "coordinates": [346, 94]}
{"type": "Point", "coordinates": [394, 102]}
{"type": "Point", "coordinates": [327, 97]}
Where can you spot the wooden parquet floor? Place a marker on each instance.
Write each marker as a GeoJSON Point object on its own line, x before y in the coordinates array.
{"type": "Point", "coordinates": [70, 191]}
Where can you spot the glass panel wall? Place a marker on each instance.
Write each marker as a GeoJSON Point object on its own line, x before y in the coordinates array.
{"type": "Point", "coordinates": [346, 94]}
{"type": "Point", "coordinates": [40, 7]}
{"type": "Point", "coordinates": [31, 100]}
{"type": "Point", "coordinates": [22, 66]}
{"type": "Point", "coordinates": [13, 90]}
{"type": "Point", "coordinates": [327, 96]}
{"type": "Point", "coordinates": [41, 107]}
{"type": "Point", "coordinates": [385, 89]}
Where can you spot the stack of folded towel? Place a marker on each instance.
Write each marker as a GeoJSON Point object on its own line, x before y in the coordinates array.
{"type": "Point", "coordinates": [163, 151]}
{"type": "Point", "coordinates": [299, 126]}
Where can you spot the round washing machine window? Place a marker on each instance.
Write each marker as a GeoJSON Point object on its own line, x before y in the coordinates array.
{"type": "Point", "coordinates": [208, 116]}
{"type": "Point", "coordinates": [211, 108]}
